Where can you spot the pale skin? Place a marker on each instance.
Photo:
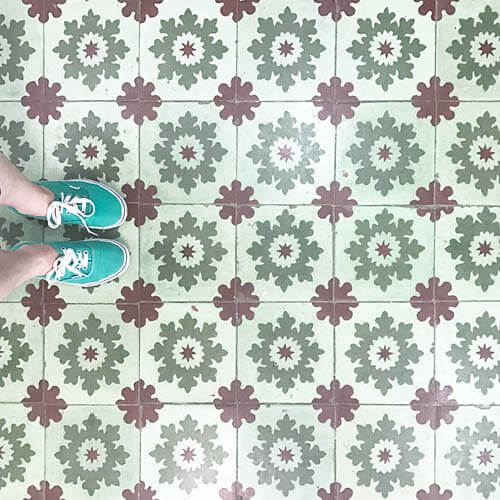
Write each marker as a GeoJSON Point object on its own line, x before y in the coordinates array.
{"type": "Point", "coordinates": [30, 261]}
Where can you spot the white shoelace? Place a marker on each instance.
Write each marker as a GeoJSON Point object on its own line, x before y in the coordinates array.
{"type": "Point", "coordinates": [71, 261]}
{"type": "Point", "coordinates": [72, 205]}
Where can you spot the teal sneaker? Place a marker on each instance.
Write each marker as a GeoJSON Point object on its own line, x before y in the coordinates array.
{"type": "Point", "coordinates": [82, 201]}
{"type": "Point", "coordinates": [85, 263]}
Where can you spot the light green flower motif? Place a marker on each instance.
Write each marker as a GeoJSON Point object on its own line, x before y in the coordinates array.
{"type": "Point", "coordinates": [285, 352]}
{"type": "Point", "coordinates": [478, 153]}
{"type": "Point", "coordinates": [478, 249]}
{"type": "Point", "coordinates": [187, 353]}
{"type": "Point", "coordinates": [10, 233]}
{"type": "Point", "coordinates": [386, 49]}
{"type": "Point", "coordinates": [92, 49]}
{"type": "Point", "coordinates": [189, 454]}
{"type": "Point", "coordinates": [287, 49]}
{"type": "Point", "coordinates": [91, 150]}
{"type": "Point", "coordinates": [385, 456]}
{"type": "Point", "coordinates": [91, 354]}
{"type": "Point", "coordinates": [10, 142]}
{"type": "Point", "coordinates": [478, 353]}
{"type": "Point", "coordinates": [477, 457]}
{"type": "Point", "coordinates": [286, 455]}
{"type": "Point", "coordinates": [385, 153]}
{"type": "Point", "coordinates": [478, 48]}
{"type": "Point", "coordinates": [13, 51]}
{"type": "Point", "coordinates": [188, 152]}
{"type": "Point", "coordinates": [188, 251]}
{"type": "Point", "coordinates": [286, 153]}
{"type": "Point", "coordinates": [188, 49]}
{"type": "Point", "coordinates": [92, 454]}
{"type": "Point", "coordinates": [284, 250]}
{"type": "Point", "coordinates": [384, 353]}
{"type": "Point", "coordinates": [12, 352]}
{"type": "Point", "coordinates": [384, 249]}
{"type": "Point", "coordinates": [14, 453]}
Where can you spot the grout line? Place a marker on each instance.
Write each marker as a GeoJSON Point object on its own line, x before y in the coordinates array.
{"type": "Point", "coordinates": [202, 204]}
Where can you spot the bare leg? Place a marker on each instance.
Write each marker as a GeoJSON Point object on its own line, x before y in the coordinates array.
{"type": "Point", "coordinates": [21, 265]}
{"type": "Point", "coordinates": [18, 192]}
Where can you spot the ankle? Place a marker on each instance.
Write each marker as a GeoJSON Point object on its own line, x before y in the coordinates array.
{"type": "Point", "coordinates": [38, 259]}
{"type": "Point", "coordinates": [33, 200]}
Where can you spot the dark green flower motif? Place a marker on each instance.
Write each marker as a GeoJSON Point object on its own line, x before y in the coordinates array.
{"type": "Point", "coordinates": [189, 454]}
{"type": "Point", "coordinates": [478, 353]}
{"type": "Point", "coordinates": [386, 48]}
{"type": "Point", "coordinates": [385, 456]}
{"type": "Point", "coordinates": [478, 49]}
{"type": "Point", "coordinates": [14, 453]}
{"type": "Point", "coordinates": [12, 352]}
{"type": "Point", "coordinates": [92, 454]}
{"type": "Point", "coordinates": [385, 153]}
{"type": "Point", "coordinates": [188, 49]}
{"type": "Point", "coordinates": [478, 457]}
{"type": "Point", "coordinates": [285, 250]}
{"type": "Point", "coordinates": [92, 49]}
{"type": "Point", "coordinates": [91, 150]}
{"type": "Point", "coordinates": [384, 249]}
{"type": "Point", "coordinates": [285, 352]}
{"type": "Point", "coordinates": [286, 454]}
{"type": "Point", "coordinates": [91, 353]}
{"type": "Point", "coordinates": [188, 251]}
{"type": "Point", "coordinates": [478, 153]}
{"type": "Point", "coordinates": [187, 353]}
{"type": "Point", "coordinates": [287, 49]}
{"type": "Point", "coordinates": [10, 142]}
{"type": "Point", "coordinates": [188, 152]}
{"type": "Point", "coordinates": [13, 51]}
{"type": "Point", "coordinates": [286, 153]}
{"type": "Point", "coordinates": [10, 233]}
{"type": "Point", "coordinates": [478, 249]}
{"type": "Point", "coordinates": [384, 353]}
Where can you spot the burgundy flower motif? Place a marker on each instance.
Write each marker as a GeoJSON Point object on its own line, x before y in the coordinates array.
{"type": "Point", "coordinates": [334, 201]}
{"type": "Point", "coordinates": [140, 493]}
{"type": "Point", "coordinates": [236, 202]}
{"type": "Point", "coordinates": [237, 492]}
{"type": "Point", "coordinates": [434, 301]}
{"type": "Point", "coordinates": [237, 8]}
{"type": "Point", "coordinates": [336, 8]}
{"type": "Point", "coordinates": [436, 8]}
{"type": "Point", "coordinates": [434, 201]}
{"type": "Point", "coordinates": [236, 301]}
{"type": "Point", "coordinates": [138, 303]}
{"type": "Point", "coordinates": [335, 100]}
{"type": "Point", "coordinates": [334, 301]}
{"type": "Point", "coordinates": [434, 405]}
{"type": "Point", "coordinates": [335, 403]}
{"type": "Point", "coordinates": [139, 101]}
{"type": "Point", "coordinates": [141, 202]}
{"type": "Point", "coordinates": [236, 404]}
{"type": "Point", "coordinates": [434, 493]}
{"type": "Point", "coordinates": [42, 8]}
{"type": "Point", "coordinates": [43, 100]}
{"type": "Point", "coordinates": [44, 403]}
{"type": "Point", "coordinates": [42, 302]}
{"type": "Point", "coordinates": [45, 492]}
{"type": "Point", "coordinates": [139, 405]}
{"type": "Point", "coordinates": [435, 100]}
{"type": "Point", "coordinates": [336, 493]}
{"type": "Point", "coordinates": [237, 101]}
{"type": "Point", "coordinates": [140, 8]}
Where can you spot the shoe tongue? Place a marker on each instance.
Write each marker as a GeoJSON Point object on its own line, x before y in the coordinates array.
{"type": "Point", "coordinates": [78, 193]}
{"type": "Point", "coordinates": [78, 252]}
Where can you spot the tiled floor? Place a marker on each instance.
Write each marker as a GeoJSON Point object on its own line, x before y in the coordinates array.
{"type": "Point", "coordinates": [313, 304]}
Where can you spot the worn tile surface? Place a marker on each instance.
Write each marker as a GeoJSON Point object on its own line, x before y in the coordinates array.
{"type": "Point", "coordinates": [312, 308]}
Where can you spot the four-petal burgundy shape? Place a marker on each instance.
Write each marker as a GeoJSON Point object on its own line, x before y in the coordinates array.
{"type": "Point", "coordinates": [44, 8]}
{"type": "Point", "coordinates": [236, 8]}
{"type": "Point", "coordinates": [42, 100]}
{"type": "Point", "coordinates": [140, 492]}
{"type": "Point", "coordinates": [139, 101]}
{"type": "Point", "coordinates": [434, 493]}
{"type": "Point", "coordinates": [44, 492]}
{"type": "Point", "coordinates": [335, 403]}
{"type": "Point", "coordinates": [141, 9]}
{"type": "Point", "coordinates": [336, 493]}
{"type": "Point", "coordinates": [139, 404]}
{"type": "Point", "coordinates": [236, 301]}
{"type": "Point", "coordinates": [236, 403]}
{"type": "Point", "coordinates": [436, 8]}
{"type": "Point", "coordinates": [138, 303]}
{"type": "Point", "coordinates": [238, 492]}
{"type": "Point", "coordinates": [141, 202]}
{"type": "Point", "coordinates": [237, 101]}
{"type": "Point", "coordinates": [334, 202]}
{"type": "Point", "coordinates": [236, 203]}
{"type": "Point", "coordinates": [44, 403]}
{"type": "Point", "coordinates": [435, 100]}
{"type": "Point", "coordinates": [434, 201]}
{"type": "Point", "coordinates": [434, 405]}
{"type": "Point", "coordinates": [336, 101]}
{"type": "Point", "coordinates": [434, 301]}
{"type": "Point", "coordinates": [43, 302]}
